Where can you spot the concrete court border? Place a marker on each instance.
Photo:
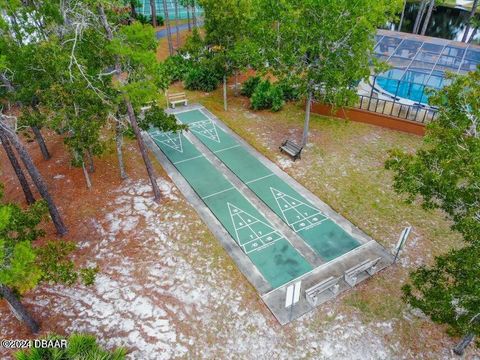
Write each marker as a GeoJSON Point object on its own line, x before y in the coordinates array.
{"type": "Point", "coordinates": [274, 298]}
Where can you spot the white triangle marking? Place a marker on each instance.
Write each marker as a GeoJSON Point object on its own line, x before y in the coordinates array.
{"type": "Point", "coordinates": [205, 128]}
{"type": "Point", "coordinates": [292, 203]}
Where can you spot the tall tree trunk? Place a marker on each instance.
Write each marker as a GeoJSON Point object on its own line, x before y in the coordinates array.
{"type": "Point", "coordinates": [86, 176]}
{"type": "Point", "coordinates": [225, 105]}
{"type": "Point", "coordinates": [131, 113]}
{"type": "Point", "coordinates": [418, 19]}
{"type": "Point", "coordinates": [474, 32]}
{"type": "Point", "coordinates": [36, 177]}
{"type": "Point", "coordinates": [278, 35]}
{"type": "Point", "coordinates": [41, 142]}
{"type": "Point", "coordinates": [188, 18]}
{"type": "Point", "coordinates": [167, 25]}
{"type": "Point", "coordinates": [427, 19]}
{"type": "Point", "coordinates": [91, 164]}
{"type": "Point", "coordinates": [119, 143]}
{"type": "Point", "coordinates": [133, 11]}
{"type": "Point", "coordinates": [403, 16]}
{"type": "Point", "coordinates": [194, 14]}
{"type": "Point", "coordinates": [18, 309]}
{"type": "Point", "coordinates": [143, 150]}
{"type": "Point", "coordinates": [85, 172]}
{"type": "Point", "coordinates": [18, 169]}
{"type": "Point", "coordinates": [470, 17]}
{"type": "Point", "coordinates": [236, 83]}
{"type": "Point", "coordinates": [307, 118]}
{"type": "Point", "coordinates": [176, 24]}
{"type": "Point", "coordinates": [153, 10]}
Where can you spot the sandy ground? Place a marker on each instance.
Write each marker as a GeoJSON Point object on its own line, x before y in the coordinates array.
{"type": "Point", "coordinates": [167, 289]}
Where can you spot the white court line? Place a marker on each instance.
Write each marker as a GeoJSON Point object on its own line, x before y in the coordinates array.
{"type": "Point", "coordinates": [308, 219]}
{"type": "Point", "coordinates": [219, 192]}
{"type": "Point", "coordinates": [201, 121]}
{"type": "Point", "coordinates": [260, 178]}
{"type": "Point", "coordinates": [270, 233]}
{"type": "Point", "coordinates": [192, 158]}
{"type": "Point", "coordinates": [267, 245]}
{"type": "Point", "coordinates": [192, 110]}
{"type": "Point", "coordinates": [185, 111]}
{"type": "Point", "coordinates": [308, 227]}
{"type": "Point", "coordinates": [313, 225]}
{"type": "Point", "coordinates": [213, 119]}
{"type": "Point", "coordinates": [228, 148]}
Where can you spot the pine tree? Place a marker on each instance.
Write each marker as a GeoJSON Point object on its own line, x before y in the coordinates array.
{"type": "Point", "coordinates": [35, 175]}
{"type": "Point", "coordinates": [24, 262]}
{"type": "Point", "coordinates": [79, 347]}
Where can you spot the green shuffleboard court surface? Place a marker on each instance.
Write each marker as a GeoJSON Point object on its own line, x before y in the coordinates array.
{"type": "Point", "coordinates": [322, 234]}
{"type": "Point", "coordinates": [273, 255]}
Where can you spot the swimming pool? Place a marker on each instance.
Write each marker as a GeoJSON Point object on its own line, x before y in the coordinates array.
{"type": "Point", "coordinates": [419, 63]}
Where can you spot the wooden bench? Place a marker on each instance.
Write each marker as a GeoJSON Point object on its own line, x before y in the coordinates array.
{"type": "Point", "coordinates": [148, 106]}
{"type": "Point", "coordinates": [330, 284]}
{"type": "Point", "coordinates": [177, 98]}
{"type": "Point", "coordinates": [291, 149]}
{"type": "Point", "coordinates": [369, 266]}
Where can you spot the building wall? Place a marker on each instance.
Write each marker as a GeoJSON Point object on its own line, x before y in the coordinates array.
{"type": "Point", "coordinates": [182, 11]}
{"type": "Point", "coordinates": [371, 118]}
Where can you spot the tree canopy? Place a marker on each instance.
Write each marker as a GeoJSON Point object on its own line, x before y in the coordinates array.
{"type": "Point", "coordinates": [24, 262]}
{"type": "Point", "coordinates": [445, 174]}
{"type": "Point", "coordinates": [327, 43]}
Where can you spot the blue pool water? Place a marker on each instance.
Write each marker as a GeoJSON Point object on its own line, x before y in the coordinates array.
{"type": "Point", "coordinates": [408, 89]}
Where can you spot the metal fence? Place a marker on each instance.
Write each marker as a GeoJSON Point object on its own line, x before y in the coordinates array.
{"type": "Point", "coordinates": [145, 9]}
{"type": "Point", "coordinates": [415, 112]}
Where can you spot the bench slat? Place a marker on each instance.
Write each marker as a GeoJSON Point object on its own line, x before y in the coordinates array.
{"type": "Point", "coordinates": [368, 266]}
{"type": "Point", "coordinates": [177, 98]}
{"type": "Point", "coordinates": [291, 149]}
{"type": "Point", "coordinates": [330, 284]}
{"type": "Point", "coordinates": [321, 286]}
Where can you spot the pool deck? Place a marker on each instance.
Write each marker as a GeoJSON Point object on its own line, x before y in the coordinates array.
{"type": "Point", "coordinates": [274, 297]}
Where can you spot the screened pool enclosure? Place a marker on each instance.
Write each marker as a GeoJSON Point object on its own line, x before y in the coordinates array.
{"type": "Point", "coordinates": [419, 62]}
{"type": "Point", "coordinates": [182, 11]}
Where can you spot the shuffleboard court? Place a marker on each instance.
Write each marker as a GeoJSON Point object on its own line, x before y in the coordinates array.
{"type": "Point", "coordinates": [321, 233]}
{"type": "Point", "coordinates": [270, 252]}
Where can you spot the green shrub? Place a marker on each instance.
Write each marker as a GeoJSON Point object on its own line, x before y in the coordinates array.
{"type": "Point", "coordinates": [148, 19]}
{"type": "Point", "coordinates": [176, 67]}
{"type": "Point", "coordinates": [194, 46]}
{"type": "Point", "coordinates": [203, 76]}
{"type": "Point", "coordinates": [248, 87]}
{"type": "Point", "coordinates": [260, 99]}
{"type": "Point", "coordinates": [290, 90]}
{"type": "Point", "coordinates": [267, 96]}
{"type": "Point", "coordinates": [160, 21]}
{"type": "Point", "coordinates": [276, 98]}
{"type": "Point", "coordinates": [77, 347]}
{"type": "Point", "coordinates": [143, 19]}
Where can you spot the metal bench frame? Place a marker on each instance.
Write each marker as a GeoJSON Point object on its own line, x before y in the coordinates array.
{"type": "Point", "coordinates": [368, 266]}
{"type": "Point", "coordinates": [330, 284]}
{"type": "Point", "coordinates": [291, 149]}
